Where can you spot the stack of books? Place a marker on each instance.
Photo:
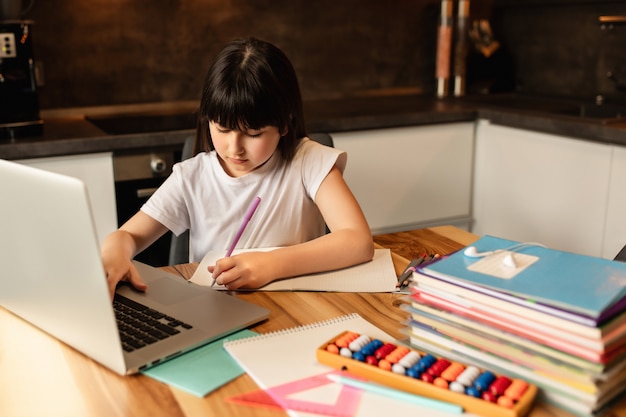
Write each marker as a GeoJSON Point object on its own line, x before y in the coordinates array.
{"type": "Point", "coordinates": [554, 318]}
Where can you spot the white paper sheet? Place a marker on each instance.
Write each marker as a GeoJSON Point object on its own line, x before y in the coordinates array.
{"type": "Point", "coordinates": [377, 275]}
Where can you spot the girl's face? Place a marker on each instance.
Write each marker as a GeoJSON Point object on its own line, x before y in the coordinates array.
{"type": "Point", "coordinates": [241, 152]}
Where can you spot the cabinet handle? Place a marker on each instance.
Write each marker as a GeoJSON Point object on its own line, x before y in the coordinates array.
{"type": "Point", "coordinates": [145, 192]}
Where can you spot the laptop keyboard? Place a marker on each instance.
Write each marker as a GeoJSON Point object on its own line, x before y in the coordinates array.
{"type": "Point", "coordinates": [140, 325]}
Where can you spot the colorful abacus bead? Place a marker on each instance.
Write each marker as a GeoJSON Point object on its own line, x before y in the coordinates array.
{"type": "Point", "coordinates": [421, 365]}
{"type": "Point", "coordinates": [456, 387]}
{"type": "Point", "coordinates": [464, 379]}
{"type": "Point", "coordinates": [434, 371]}
{"type": "Point", "coordinates": [484, 380]}
{"type": "Point", "coordinates": [398, 353]}
{"type": "Point", "coordinates": [384, 364]}
{"type": "Point", "coordinates": [413, 372]}
{"type": "Point", "coordinates": [517, 388]}
{"type": "Point", "coordinates": [398, 369]}
{"type": "Point", "coordinates": [394, 358]}
{"type": "Point", "coordinates": [438, 367]}
{"type": "Point", "coordinates": [425, 362]}
{"type": "Point", "coordinates": [358, 356]}
{"type": "Point", "coordinates": [371, 360]}
{"type": "Point", "coordinates": [440, 382]}
{"type": "Point", "coordinates": [452, 372]}
{"type": "Point", "coordinates": [358, 343]}
{"type": "Point", "coordinates": [499, 385]}
{"type": "Point", "coordinates": [488, 396]}
{"type": "Point", "coordinates": [345, 339]}
{"type": "Point", "coordinates": [505, 401]}
{"type": "Point", "coordinates": [384, 350]}
{"type": "Point", "coordinates": [371, 347]}
{"type": "Point", "coordinates": [332, 348]}
{"type": "Point", "coordinates": [409, 359]}
{"type": "Point", "coordinates": [468, 376]}
{"type": "Point", "coordinates": [344, 351]}
{"type": "Point", "coordinates": [426, 377]}
{"type": "Point", "coordinates": [472, 392]}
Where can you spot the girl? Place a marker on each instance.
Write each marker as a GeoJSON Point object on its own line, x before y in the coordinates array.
{"type": "Point", "coordinates": [252, 141]}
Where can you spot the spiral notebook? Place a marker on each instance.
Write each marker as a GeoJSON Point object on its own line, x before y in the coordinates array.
{"type": "Point", "coordinates": [288, 356]}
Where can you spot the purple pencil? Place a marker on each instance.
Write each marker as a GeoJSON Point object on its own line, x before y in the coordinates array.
{"type": "Point", "coordinates": [246, 220]}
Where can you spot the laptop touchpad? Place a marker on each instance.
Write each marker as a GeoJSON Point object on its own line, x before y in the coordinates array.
{"type": "Point", "coordinates": [166, 291]}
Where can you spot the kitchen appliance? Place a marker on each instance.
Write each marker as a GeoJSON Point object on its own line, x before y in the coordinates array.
{"type": "Point", "coordinates": [19, 102]}
{"type": "Point", "coordinates": [137, 176]}
{"type": "Point", "coordinates": [14, 9]}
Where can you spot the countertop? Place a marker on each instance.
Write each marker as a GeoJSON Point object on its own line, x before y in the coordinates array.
{"type": "Point", "coordinates": [68, 131]}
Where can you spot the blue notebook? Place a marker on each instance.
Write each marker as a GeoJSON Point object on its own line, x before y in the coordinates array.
{"type": "Point", "coordinates": [584, 284]}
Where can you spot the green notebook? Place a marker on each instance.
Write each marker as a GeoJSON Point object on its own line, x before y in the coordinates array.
{"type": "Point", "coordinates": [201, 370]}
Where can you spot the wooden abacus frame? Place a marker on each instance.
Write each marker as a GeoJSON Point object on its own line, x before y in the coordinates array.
{"type": "Point", "coordinates": [419, 387]}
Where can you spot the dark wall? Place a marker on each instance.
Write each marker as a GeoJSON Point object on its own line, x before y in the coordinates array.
{"type": "Point", "coordinates": [561, 49]}
{"type": "Point", "coordinates": [101, 52]}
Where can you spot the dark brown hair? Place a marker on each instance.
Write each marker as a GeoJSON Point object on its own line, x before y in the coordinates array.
{"type": "Point", "coordinates": [250, 85]}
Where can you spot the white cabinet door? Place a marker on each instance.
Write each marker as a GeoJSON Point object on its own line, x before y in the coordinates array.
{"type": "Point", "coordinates": [531, 186]}
{"type": "Point", "coordinates": [615, 236]}
{"type": "Point", "coordinates": [96, 171]}
{"type": "Point", "coordinates": [411, 177]}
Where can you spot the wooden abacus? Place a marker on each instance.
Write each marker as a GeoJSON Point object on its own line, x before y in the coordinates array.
{"type": "Point", "coordinates": [477, 391]}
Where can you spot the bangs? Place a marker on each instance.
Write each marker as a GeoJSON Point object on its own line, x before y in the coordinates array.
{"type": "Point", "coordinates": [244, 105]}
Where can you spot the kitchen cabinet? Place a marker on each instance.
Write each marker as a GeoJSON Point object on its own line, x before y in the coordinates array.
{"type": "Point", "coordinates": [411, 177]}
{"type": "Point", "coordinates": [615, 236]}
{"type": "Point", "coordinates": [531, 186]}
{"type": "Point", "coordinates": [96, 171]}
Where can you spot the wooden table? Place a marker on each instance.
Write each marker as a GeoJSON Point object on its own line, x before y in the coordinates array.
{"type": "Point", "coordinates": [39, 376]}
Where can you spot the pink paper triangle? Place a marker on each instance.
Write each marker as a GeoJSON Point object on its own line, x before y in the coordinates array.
{"type": "Point", "coordinates": [345, 405]}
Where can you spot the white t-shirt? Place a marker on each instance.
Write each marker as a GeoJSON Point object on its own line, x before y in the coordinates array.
{"type": "Point", "coordinates": [200, 196]}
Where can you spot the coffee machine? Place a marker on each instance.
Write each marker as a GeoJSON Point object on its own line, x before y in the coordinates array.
{"type": "Point", "coordinates": [19, 102]}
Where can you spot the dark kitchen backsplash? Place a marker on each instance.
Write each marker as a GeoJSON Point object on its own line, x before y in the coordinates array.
{"type": "Point", "coordinates": [100, 52]}
{"type": "Point", "coordinates": [560, 48]}
{"type": "Point", "coordinates": [103, 52]}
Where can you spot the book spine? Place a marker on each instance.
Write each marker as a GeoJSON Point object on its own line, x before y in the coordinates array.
{"type": "Point", "coordinates": [455, 351]}
{"type": "Point", "coordinates": [506, 301]}
{"type": "Point", "coordinates": [524, 344]}
{"type": "Point", "coordinates": [521, 351]}
{"type": "Point", "coordinates": [587, 348]}
{"type": "Point", "coordinates": [495, 309]}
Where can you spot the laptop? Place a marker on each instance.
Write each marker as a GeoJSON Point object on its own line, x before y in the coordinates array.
{"type": "Point", "coordinates": [52, 277]}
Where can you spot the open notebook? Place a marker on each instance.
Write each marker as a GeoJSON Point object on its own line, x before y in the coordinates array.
{"type": "Point", "coordinates": [378, 275]}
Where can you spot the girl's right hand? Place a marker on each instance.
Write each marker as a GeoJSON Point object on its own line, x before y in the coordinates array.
{"type": "Point", "coordinates": [123, 271]}
{"type": "Point", "coordinates": [119, 247]}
